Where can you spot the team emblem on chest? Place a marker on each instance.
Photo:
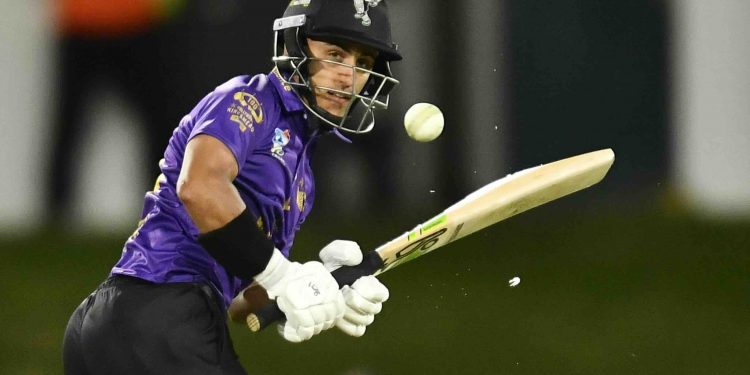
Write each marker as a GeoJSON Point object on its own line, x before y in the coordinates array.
{"type": "Point", "coordinates": [280, 139]}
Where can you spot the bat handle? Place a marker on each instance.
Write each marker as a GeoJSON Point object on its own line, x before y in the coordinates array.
{"type": "Point", "coordinates": [345, 275]}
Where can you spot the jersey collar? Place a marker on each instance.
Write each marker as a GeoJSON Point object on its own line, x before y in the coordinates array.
{"type": "Point", "coordinates": [290, 99]}
{"type": "Point", "coordinates": [293, 103]}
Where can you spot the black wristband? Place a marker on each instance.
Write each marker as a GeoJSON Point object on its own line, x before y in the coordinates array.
{"type": "Point", "coordinates": [240, 247]}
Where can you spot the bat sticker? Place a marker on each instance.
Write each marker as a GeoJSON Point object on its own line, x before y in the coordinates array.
{"type": "Point", "coordinates": [415, 249]}
{"type": "Point", "coordinates": [455, 232]}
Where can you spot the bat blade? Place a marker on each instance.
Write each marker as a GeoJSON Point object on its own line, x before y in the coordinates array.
{"type": "Point", "coordinates": [497, 201]}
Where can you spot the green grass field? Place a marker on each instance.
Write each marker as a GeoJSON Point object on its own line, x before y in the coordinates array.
{"type": "Point", "coordinates": [600, 294]}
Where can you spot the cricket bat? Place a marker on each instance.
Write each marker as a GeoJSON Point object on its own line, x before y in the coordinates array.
{"type": "Point", "coordinates": [495, 202]}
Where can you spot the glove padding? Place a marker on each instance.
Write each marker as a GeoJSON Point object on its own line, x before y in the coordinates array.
{"type": "Point", "coordinates": [307, 294]}
{"type": "Point", "coordinates": [364, 298]}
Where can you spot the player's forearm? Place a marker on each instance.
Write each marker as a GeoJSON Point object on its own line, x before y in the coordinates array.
{"type": "Point", "coordinates": [227, 228]}
{"type": "Point", "coordinates": [239, 309]}
{"type": "Point", "coordinates": [246, 302]}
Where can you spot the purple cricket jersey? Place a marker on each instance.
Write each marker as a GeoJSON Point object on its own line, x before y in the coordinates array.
{"type": "Point", "coordinates": [264, 124]}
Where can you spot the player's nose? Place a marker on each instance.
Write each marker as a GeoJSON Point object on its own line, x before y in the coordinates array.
{"type": "Point", "coordinates": [345, 76]}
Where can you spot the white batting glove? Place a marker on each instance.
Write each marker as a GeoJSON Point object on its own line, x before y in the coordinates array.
{"type": "Point", "coordinates": [364, 298]}
{"type": "Point", "coordinates": [307, 294]}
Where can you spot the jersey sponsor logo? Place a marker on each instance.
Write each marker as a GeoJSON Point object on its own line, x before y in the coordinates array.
{"type": "Point", "coordinates": [361, 7]}
{"type": "Point", "coordinates": [246, 111]}
{"type": "Point", "coordinates": [280, 139]}
{"type": "Point", "coordinates": [301, 196]}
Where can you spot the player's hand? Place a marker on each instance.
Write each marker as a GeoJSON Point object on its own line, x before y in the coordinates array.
{"type": "Point", "coordinates": [307, 294]}
{"type": "Point", "coordinates": [364, 298]}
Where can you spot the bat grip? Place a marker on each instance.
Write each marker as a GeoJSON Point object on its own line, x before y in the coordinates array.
{"type": "Point", "coordinates": [344, 275]}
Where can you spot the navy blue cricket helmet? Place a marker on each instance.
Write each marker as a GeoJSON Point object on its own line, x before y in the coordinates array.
{"type": "Point", "coordinates": [364, 22]}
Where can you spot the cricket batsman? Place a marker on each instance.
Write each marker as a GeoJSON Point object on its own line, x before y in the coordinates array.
{"type": "Point", "coordinates": [235, 186]}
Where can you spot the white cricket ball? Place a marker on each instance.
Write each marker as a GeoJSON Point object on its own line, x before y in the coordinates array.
{"type": "Point", "coordinates": [514, 282]}
{"type": "Point", "coordinates": [424, 122]}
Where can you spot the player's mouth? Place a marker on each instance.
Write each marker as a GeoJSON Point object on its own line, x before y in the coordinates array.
{"type": "Point", "coordinates": [338, 97]}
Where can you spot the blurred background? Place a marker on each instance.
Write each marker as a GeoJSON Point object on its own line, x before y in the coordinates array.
{"type": "Point", "coordinates": [645, 273]}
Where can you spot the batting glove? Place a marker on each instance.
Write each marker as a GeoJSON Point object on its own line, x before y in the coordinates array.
{"type": "Point", "coordinates": [364, 298]}
{"type": "Point", "coordinates": [307, 294]}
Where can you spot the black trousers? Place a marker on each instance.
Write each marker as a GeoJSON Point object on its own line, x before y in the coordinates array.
{"type": "Point", "coordinates": [132, 326]}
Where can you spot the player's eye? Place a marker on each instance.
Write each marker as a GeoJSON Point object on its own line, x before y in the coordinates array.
{"type": "Point", "coordinates": [365, 63]}
{"type": "Point", "coordinates": [335, 55]}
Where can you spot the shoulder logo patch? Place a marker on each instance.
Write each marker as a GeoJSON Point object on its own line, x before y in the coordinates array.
{"type": "Point", "coordinates": [245, 111]}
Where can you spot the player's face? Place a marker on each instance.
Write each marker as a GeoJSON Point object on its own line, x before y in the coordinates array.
{"type": "Point", "coordinates": [325, 75]}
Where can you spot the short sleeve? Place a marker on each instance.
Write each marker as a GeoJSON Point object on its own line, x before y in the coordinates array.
{"type": "Point", "coordinates": [233, 117]}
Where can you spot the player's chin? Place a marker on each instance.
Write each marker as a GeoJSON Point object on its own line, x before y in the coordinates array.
{"type": "Point", "coordinates": [332, 107]}
{"type": "Point", "coordinates": [339, 112]}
